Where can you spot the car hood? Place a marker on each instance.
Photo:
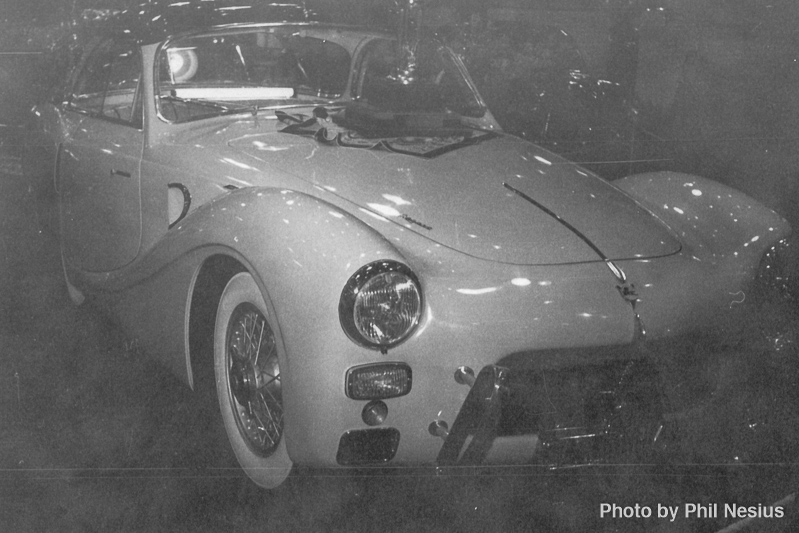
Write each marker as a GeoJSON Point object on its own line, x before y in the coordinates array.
{"type": "Point", "coordinates": [492, 196]}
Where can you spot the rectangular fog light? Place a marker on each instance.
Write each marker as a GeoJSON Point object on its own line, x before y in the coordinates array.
{"type": "Point", "coordinates": [378, 381]}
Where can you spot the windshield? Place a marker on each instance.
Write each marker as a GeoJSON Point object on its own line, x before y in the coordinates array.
{"type": "Point", "coordinates": [210, 74]}
{"type": "Point", "coordinates": [279, 67]}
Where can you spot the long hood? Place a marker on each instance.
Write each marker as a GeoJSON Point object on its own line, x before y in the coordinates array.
{"type": "Point", "coordinates": [499, 198]}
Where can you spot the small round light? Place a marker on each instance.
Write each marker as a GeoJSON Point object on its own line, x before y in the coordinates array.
{"type": "Point", "coordinates": [374, 413]}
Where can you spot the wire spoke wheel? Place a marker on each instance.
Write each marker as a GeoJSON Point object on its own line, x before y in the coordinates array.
{"type": "Point", "coordinates": [249, 384]}
{"type": "Point", "coordinates": [254, 379]}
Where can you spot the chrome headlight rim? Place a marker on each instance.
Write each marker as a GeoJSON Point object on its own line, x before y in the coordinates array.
{"type": "Point", "coordinates": [349, 297]}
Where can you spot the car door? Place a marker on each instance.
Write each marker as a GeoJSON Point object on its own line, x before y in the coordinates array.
{"type": "Point", "coordinates": [99, 161]}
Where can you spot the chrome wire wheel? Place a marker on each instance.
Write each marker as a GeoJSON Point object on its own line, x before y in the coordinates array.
{"type": "Point", "coordinates": [249, 385]}
{"type": "Point", "coordinates": [254, 386]}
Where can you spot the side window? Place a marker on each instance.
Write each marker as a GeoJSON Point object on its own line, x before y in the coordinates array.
{"type": "Point", "coordinates": [436, 83]}
{"type": "Point", "coordinates": [324, 66]}
{"type": "Point", "coordinates": [108, 84]}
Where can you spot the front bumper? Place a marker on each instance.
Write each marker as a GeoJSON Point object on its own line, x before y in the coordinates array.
{"type": "Point", "coordinates": [616, 413]}
{"type": "Point", "coordinates": [559, 417]}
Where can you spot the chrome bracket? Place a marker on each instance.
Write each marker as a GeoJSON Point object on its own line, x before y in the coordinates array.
{"type": "Point", "coordinates": [478, 417]}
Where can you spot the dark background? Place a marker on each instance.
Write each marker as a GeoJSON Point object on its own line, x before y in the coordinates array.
{"type": "Point", "coordinates": [95, 437]}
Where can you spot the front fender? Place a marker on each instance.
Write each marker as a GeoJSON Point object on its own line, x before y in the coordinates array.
{"type": "Point", "coordinates": [713, 221]}
{"type": "Point", "coordinates": [300, 249]}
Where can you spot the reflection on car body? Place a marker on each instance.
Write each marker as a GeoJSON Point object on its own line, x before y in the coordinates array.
{"type": "Point", "coordinates": [361, 249]}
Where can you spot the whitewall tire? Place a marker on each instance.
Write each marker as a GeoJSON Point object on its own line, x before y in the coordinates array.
{"type": "Point", "coordinates": [247, 361]}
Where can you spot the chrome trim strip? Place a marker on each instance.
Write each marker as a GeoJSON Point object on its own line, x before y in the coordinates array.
{"type": "Point", "coordinates": [626, 289]}
{"type": "Point", "coordinates": [186, 202]}
{"type": "Point", "coordinates": [618, 273]}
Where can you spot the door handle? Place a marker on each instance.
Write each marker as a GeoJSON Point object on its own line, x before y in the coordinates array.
{"type": "Point", "coordinates": [115, 172]}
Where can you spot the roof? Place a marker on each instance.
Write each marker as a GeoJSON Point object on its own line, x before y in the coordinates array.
{"type": "Point", "coordinates": [156, 20]}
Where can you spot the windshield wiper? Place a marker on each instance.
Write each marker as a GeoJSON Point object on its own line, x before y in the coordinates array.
{"type": "Point", "coordinates": [222, 108]}
{"type": "Point", "coordinates": [475, 124]}
{"type": "Point", "coordinates": [328, 107]}
{"type": "Point", "coordinates": [214, 107]}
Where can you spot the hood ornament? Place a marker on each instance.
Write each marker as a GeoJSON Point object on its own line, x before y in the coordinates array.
{"type": "Point", "coordinates": [409, 34]}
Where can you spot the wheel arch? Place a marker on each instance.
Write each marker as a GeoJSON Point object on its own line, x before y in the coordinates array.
{"type": "Point", "coordinates": [308, 259]}
{"type": "Point", "coordinates": [209, 282]}
{"type": "Point", "coordinates": [301, 250]}
{"type": "Point", "coordinates": [290, 242]}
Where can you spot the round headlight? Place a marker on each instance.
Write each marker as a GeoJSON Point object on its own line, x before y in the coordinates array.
{"type": "Point", "coordinates": [381, 305]}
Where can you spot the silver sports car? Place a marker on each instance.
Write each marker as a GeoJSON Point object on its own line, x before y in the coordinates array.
{"type": "Point", "coordinates": [324, 227]}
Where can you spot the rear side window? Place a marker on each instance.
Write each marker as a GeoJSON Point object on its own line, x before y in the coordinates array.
{"type": "Point", "coordinates": [108, 85]}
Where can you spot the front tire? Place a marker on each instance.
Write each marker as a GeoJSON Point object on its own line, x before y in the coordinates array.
{"type": "Point", "coordinates": [247, 361]}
